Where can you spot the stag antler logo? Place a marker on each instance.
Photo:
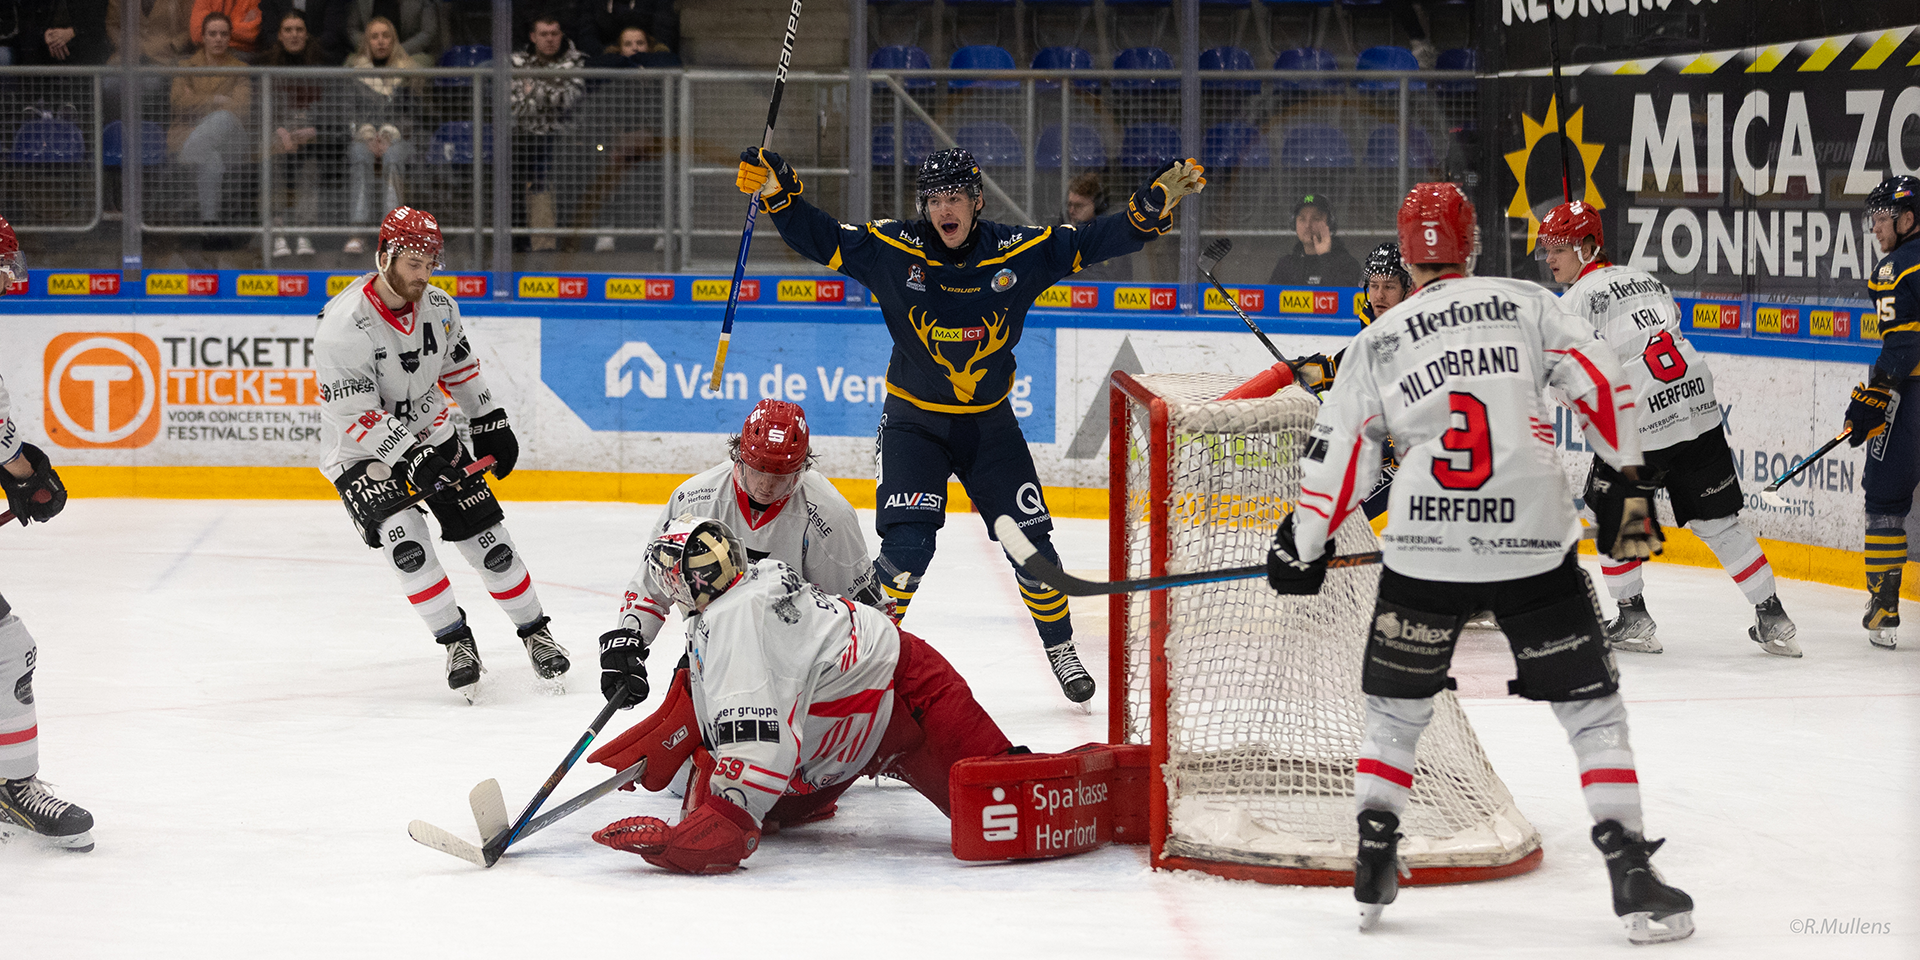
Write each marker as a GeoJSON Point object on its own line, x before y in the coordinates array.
{"type": "Point", "coordinates": [986, 341]}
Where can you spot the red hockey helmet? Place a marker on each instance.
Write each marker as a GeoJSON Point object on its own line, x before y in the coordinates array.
{"type": "Point", "coordinates": [12, 264]}
{"type": "Point", "coordinates": [1570, 223]}
{"type": "Point", "coordinates": [409, 229]}
{"type": "Point", "coordinates": [774, 448]}
{"type": "Point", "coordinates": [1436, 225]}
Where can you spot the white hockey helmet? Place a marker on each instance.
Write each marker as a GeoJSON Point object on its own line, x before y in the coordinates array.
{"type": "Point", "coordinates": [696, 559]}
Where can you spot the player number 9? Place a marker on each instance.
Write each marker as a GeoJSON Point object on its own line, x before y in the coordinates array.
{"type": "Point", "coordinates": [1433, 237]}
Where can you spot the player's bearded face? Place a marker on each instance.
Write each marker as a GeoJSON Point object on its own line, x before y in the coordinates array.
{"type": "Point", "coordinates": [408, 273]}
{"type": "Point", "coordinates": [764, 488]}
{"type": "Point", "coordinates": [952, 214]}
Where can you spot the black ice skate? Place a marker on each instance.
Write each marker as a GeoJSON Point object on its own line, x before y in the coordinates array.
{"type": "Point", "coordinates": [1632, 630]}
{"type": "Point", "coordinates": [28, 803]}
{"type": "Point", "coordinates": [1377, 869]}
{"type": "Point", "coordinates": [1772, 630]}
{"type": "Point", "coordinates": [1883, 610]}
{"type": "Point", "coordinates": [1652, 911]}
{"type": "Point", "coordinates": [549, 659]}
{"type": "Point", "coordinates": [463, 660]}
{"type": "Point", "coordinates": [1075, 682]}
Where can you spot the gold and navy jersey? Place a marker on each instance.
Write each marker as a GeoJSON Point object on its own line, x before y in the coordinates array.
{"type": "Point", "coordinates": [954, 324]}
{"type": "Point", "coordinates": [1895, 288]}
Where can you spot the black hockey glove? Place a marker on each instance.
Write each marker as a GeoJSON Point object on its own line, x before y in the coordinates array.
{"type": "Point", "coordinates": [1314, 371]}
{"type": "Point", "coordinates": [763, 172]}
{"type": "Point", "coordinates": [38, 497]}
{"type": "Point", "coordinates": [424, 468]}
{"type": "Point", "coordinates": [1626, 527]}
{"type": "Point", "coordinates": [1286, 572]}
{"type": "Point", "coordinates": [492, 437]}
{"type": "Point", "coordinates": [623, 659]}
{"type": "Point", "coordinates": [1867, 410]}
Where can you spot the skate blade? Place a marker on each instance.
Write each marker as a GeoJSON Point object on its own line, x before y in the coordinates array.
{"type": "Point", "coordinates": [555, 686]}
{"type": "Point", "coordinates": [1084, 708]}
{"type": "Point", "coordinates": [1883, 638]}
{"type": "Point", "coordinates": [1779, 646]}
{"type": "Point", "coordinates": [470, 692]}
{"type": "Point", "coordinates": [77, 843]}
{"type": "Point", "coordinates": [1636, 646]}
{"type": "Point", "coordinates": [1370, 914]}
{"type": "Point", "coordinates": [1643, 928]}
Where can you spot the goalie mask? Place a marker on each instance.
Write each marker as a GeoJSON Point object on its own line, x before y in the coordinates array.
{"type": "Point", "coordinates": [696, 560]}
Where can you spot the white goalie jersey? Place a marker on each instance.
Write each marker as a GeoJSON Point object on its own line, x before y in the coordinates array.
{"type": "Point", "coordinates": [792, 686]}
{"type": "Point", "coordinates": [1455, 374]}
{"type": "Point", "coordinates": [381, 375]}
{"type": "Point", "coordinates": [1637, 317]}
{"type": "Point", "coordinates": [814, 531]}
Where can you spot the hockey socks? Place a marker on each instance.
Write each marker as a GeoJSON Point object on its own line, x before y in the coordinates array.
{"type": "Point", "coordinates": [1623, 579]}
{"type": "Point", "coordinates": [1739, 552]}
{"type": "Point", "coordinates": [491, 554]}
{"type": "Point", "coordinates": [1886, 551]}
{"type": "Point", "coordinates": [1383, 776]}
{"type": "Point", "coordinates": [1598, 731]}
{"type": "Point", "coordinates": [408, 546]}
{"type": "Point", "coordinates": [906, 550]}
{"type": "Point", "coordinates": [19, 724]}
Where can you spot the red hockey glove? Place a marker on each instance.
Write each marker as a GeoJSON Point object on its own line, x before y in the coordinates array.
{"type": "Point", "coordinates": [666, 739]}
{"type": "Point", "coordinates": [711, 840]}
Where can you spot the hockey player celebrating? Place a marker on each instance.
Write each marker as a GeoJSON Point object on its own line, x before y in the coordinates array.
{"type": "Point", "coordinates": [386, 348]}
{"type": "Point", "coordinates": [777, 663]}
{"type": "Point", "coordinates": [1873, 412]}
{"type": "Point", "coordinates": [1481, 520]}
{"type": "Point", "coordinates": [1682, 436]}
{"type": "Point", "coordinates": [955, 291]}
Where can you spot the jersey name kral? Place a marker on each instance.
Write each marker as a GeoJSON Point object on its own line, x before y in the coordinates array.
{"type": "Point", "coordinates": [814, 531]}
{"type": "Point", "coordinates": [1637, 317]}
{"type": "Point", "coordinates": [792, 686]}
{"type": "Point", "coordinates": [381, 374]}
{"type": "Point", "coordinates": [10, 438]}
{"type": "Point", "coordinates": [954, 325]}
{"type": "Point", "coordinates": [1456, 375]}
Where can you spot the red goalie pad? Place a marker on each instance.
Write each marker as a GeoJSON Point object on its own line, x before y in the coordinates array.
{"type": "Point", "coordinates": [1044, 805]}
{"type": "Point", "coordinates": [666, 739]}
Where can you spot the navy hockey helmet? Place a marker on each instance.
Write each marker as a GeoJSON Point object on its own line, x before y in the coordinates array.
{"type": "Point", "coordinates": [1895, 194]}
{"type": "Point", "coordinates": [947, 170]}
{"type": "Point", "coordinates": [696, 559]}
{"type": "Point", "coordinates": [1384, 261]}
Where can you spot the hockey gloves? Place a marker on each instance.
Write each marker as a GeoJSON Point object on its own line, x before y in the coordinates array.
{"type": "Point", "coordinates": [424, 468]}
{"type": "Point", "coordinates": [492, 437]}
{"type": "Point", "coordinates": [1286, 572]}
{"type": "Point", "coordinates": [1867, 410]}
{"type": "Point", "coordinates": [1314, 371]}
{"type": "Point", "coordinates": [713, 839]}
{"type": "Point", "coordinates": [1623, 511]}
{"type": "Point", "coordinates": [1150, 210]}
{"type": "Point", "coordinates": [763, 172]}
{"type": "Point", "coordinates": [623, 659]}
{"type": "Point", "coordinates": [39, 496]}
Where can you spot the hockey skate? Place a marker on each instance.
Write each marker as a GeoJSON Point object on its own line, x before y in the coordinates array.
{"type": "Point", "coordinates": [1883, 611]}
{"type": "Point", "coordinates": [549, 659]}
{"type": "Point", "coordinates": [463, 661]}
{"type": "Point", "coordinates": [1772, 630]}
{"type": "Point", "coordinates": [1632, 630]}
{"type": "Point", "coordinates": [1652, 911]}
{"type": "Point", "coordinates": [1075, 682]}
{"type": "Point", "coordinates": [29, 804]}
{"type": "Point", "coordinates": [1378, 868]}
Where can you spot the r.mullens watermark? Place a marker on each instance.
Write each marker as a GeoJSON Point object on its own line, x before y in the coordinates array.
{"type": "Point", "coordinates": [1828, 926]}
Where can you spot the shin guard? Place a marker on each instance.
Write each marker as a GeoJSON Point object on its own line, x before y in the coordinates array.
{"type": "Point", "coordinates": [408, 546]}
{"type": "Point", "coordinates": [1739, 552]}
{"type": "Point", "coordinates": [1598, 731]}
{"type": "Point", "coordinates": [492, 555]}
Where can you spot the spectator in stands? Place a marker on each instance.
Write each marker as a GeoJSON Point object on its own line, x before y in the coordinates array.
{"type": "Point", "coordinates": [1087, 199]}
{"type": "Point", "coordinates": [209, 118]}
{"type": "Point", "coordinates": [379, 116]}
{"type": "Point", "coordinates": [542, 107]}
{"type": "Point", "coordinates": [66, 33]}
{"type": "Point", "coordinates": [418, 25]}
{"type": "Point", "coordinates": [298, 165]}
{"type": "Point", "coordinates": [604, 20]}
{"type": "Point", "coordinates": [605, 122]}
{"type": "Point", "coordinates": [243, 14]}
{"type": "Point", "coordinates": [635, 50]}
{"type": "Point", "coordinates": [165, 29]}
{"type": "Point", "coordinates": [1317, 258]}
{"type": "Point", "coordinates": [326, 24]}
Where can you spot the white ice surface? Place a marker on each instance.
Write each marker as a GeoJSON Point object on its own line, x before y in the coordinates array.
{"type": "Point", "coordinates": [239, 693]}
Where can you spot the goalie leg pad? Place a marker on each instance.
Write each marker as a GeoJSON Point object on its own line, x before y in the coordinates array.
{"type": "Point", "coordinates": [1552, 623]}
{"type": "Point", "coordinates": [666, 738]}
{"type": "Point", "coordinates": [1408, 649]}
{"type": "Point", "coordinates": [19, 724]}
{"type": "Point", "coordinates": [1032, 806]}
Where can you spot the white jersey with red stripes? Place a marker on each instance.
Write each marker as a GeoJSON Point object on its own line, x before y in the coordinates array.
{"type": "Point", "coordinates": [1456, 374]}
{"type": "Point", "coordinates": [792, 685]}
{"type": "Point", "coordinates": [1636, 316]}
{"type": "Point", "coordinates": [814, 531]}
{"type": "Point", "coordinates": [381, 375]}
{"type": "Point", "coordinates": [10, 438]}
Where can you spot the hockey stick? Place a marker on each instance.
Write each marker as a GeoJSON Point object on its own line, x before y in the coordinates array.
{"type": "Point", "coordinates": [490, 813]}
{"type": "Point", "coordinates": [1560, 97]}
{"type": "Point", "coordinates": [499, 843]}
{"type": "Point", "coordinates": [1771, 492]}
{"type": "Point", "coordinates": [753, 201]}
{"type": "Point", "coordinates": [1216, 252]}
{"type": "Point", "coordinates": [472, 469]}
{"type": "Point", "coordinates": [1028, 557]}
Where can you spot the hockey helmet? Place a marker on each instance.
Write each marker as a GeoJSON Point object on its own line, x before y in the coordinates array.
{"type": "Point", "coordinates": [1384, 261]}
{"type": "Point", "coordinates": [1436, 225]}
{"type": "Point", "coordinates": [1569, 224]}
{"type": "Point", "coordinates": [12, 264]}
{"type": "Point", "coordinates": [696, 559]}
{"type": "Point", "coordinates": [947, 170]}
{"type": "Point", "coordinates": [1893, 195]}
{"type": "Point", "coordinates": [407, 228]}
{"type": "Point", "coordinates": [774, 447]}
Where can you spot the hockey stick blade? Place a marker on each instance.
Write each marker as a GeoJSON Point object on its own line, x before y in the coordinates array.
{"type": "Point", "coordinates": [472, 469]}
{"type": "Point", "coordinates": [487, 792]}
{"type": "Point", "coordinates": [444, 841]}
{"type": "Point", "coordinates": [499, 844]}
{"type": "Point", "coordinates": [1028, 557]}
{"type": "Point", "coordinates": [489, 808]}
{"type": "Point", "coordinates": [1771, 494]}
{"type": "Point", "coordinates": [1216, 252]}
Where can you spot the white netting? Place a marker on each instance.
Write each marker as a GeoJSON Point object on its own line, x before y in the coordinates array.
{"type": "Point", "coordinates": [1264, 710]}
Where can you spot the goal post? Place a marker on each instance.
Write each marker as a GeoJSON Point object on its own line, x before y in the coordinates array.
{"type": "Point", "coordinates": [1250, 702]}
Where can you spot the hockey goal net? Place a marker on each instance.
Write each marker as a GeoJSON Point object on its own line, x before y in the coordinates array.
{"type": "Point", "coordinates": [1250, 702]}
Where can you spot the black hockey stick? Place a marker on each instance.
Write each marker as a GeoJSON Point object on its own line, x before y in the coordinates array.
{"type": "Point", "coordinates": [1771, 493]}
{"type": "Point", "coordinates": [753, 200]}
{"type": "Point", "coordinates": [488, 794]}
{"type": "Point", "coordinates": [472, 469]}
{"type": "Point", "coordinates": [1028, 557]}
{"type": "Point", "coordinates": [1216, 252]}
{"type": "Point", "coordinates": [1560, 97]}
{"type": "Point", "coordinates": [498, 844]}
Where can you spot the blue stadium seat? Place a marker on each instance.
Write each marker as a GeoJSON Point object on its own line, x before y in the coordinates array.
{"type": "Point", "coordinates": [982, 57]}
{"type": "Point", "coordinates": [1459, 58]}
{"type": "Point", "coordinates": [919, 143]}
{"type": "Point", "coordinates": [903, 57]}
{"type": "Point", "coordinates": [1306, 58]}
{"type": "Point", "coordinates": [1387, 58]}
{"type": "Point", "coordinates": [1144, 58]}
{"type": "Point", "coordinates": [1316, 145]}
{"type": "Point", "coordinates": [1383, 148]}
{"type": "Point", "coordinates": [1228, 58]}
{"type": "Point", "coordinates": [452, 144]}
{"type": "Point", "coordinates": [1298, 3]}
{"type": "Point", "coordinates": [48, 140]}
{"type": "Point", "coordinates": [993, 144]}
{"type": "Point", "coordinates": [1149, 145]}
{"type": "Point", "coordinates": [1230, 145]}
{"type": "Point", "coordinates": [1086, 148]}
{"type": "Point", "coordinates": [1064, 58]}
{"type": "Point", "coordinates": [153, 144]}
{"type": "Point", "coordinates": [471, 55]}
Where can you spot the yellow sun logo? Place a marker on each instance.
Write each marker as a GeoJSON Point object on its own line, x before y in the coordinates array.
{"type": "Point", "coordinates": [1535, 132]}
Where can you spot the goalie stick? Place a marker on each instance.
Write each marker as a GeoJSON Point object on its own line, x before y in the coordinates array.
{"type": "Point", "coordinates": [490, 815]}
{"type": "Point", "coordinates": [499, 844]}
{"type": "Point", "coordinates": [1028, 557]}
{"type": "Point", "coordinates": [1216, 252]}
{"type": "Point", "coordinates": [472, 469]}
{"type": "Point", "coordinates": [1771, 493]}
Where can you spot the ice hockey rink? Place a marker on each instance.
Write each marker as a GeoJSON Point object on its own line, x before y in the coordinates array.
{"type": "Point", "coordinates": [239, 693]}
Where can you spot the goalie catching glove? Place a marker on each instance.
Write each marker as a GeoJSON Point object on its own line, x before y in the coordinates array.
{"type": "Point", "coordinates": [1286, 572]}
{"type": "Point", "coordinates": [713, 839]}
{"type": "Point", "coordinates": [763, 172]}
{"type": "Point", "coordinates": [1151, 208]}
{"type": "Point", "coordinates": [1867, 410]}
